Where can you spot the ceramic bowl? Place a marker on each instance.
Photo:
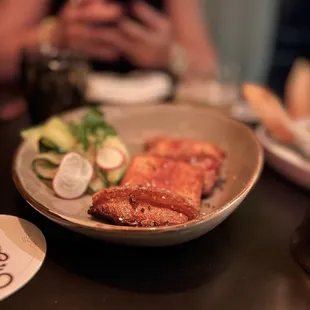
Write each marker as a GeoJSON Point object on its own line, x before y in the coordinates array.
{"type": "Point", "coordinates": [241, 170]}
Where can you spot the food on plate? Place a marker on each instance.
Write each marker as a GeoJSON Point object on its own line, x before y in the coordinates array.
{"type": "Point", "coordinates": [161, 187]}
{"type": "Point", "coordinates": [171, 175]}
{"type": "Point", "coordinates": [72, 176]}
{"type": "Point", "coordinates": [208, 157]}
{"type": "Point", "coordinates": [45, 165]}
{"type": "Point", "coordinates": [110, 158]}
{"type": "Point", "coordinates": [288, 128]}
{"type": "Point", "coordinates": [118, 206]}
{"type": "Point", "coordinates": [92, 138]}
{"type": "Point", "coordinates": [297, 90]}
{"type": "Point", "coordinates": [270, 112]}
{"type": "Point", "coordinates": [155, 191]}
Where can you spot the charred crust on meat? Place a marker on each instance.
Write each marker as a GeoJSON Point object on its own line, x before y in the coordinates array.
{"type": "Point", "coordinates": [133, 201]}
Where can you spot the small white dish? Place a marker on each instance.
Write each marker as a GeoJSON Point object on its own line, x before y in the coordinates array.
{"type": "Point", "coordinates": [287, 161]}
{"type": "Point", "coordinates": [135, 88]}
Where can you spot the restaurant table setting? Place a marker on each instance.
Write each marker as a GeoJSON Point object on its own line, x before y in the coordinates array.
{"type": "Point", "coordinates": [123, 204]}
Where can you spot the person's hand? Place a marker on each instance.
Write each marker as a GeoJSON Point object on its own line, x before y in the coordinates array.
{"type": "Point", "coordinates": [148, 44]}
{"type": "Point", "coordinates": [76, 28]}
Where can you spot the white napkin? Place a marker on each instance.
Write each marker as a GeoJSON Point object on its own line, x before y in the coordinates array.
{"type": "Point", "coordinates": [136, 88]}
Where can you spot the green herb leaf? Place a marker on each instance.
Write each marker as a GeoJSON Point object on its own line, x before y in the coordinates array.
{"type": "Point", "coordinates": [96, 110]}
{"type": "Point", "coordinates": [81, 134]}
{"type": "Point", "coordinates": [94, 125]}
{"type": "Point", "coordinates": [110, 131]}
{"type": "Point", "coordinates": [100, 136]}
{"type": "Point", "coordinates": [93, 119]}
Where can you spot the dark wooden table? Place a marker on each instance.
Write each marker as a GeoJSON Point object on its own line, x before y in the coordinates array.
{"type": "Point", "coordinates": [244, 263]}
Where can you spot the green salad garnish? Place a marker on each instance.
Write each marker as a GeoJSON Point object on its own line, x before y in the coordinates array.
{"type": "Point", "coordinates": [55, 138]}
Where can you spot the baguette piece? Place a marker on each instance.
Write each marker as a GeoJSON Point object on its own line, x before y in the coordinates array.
{"type": "Point", "coordinates": [270, 112]}
{"type": "Point", "coordinates": [297, 90]}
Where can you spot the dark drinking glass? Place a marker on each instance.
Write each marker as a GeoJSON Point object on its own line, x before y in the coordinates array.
{"type": "Point", "coordinates": [53, 81]}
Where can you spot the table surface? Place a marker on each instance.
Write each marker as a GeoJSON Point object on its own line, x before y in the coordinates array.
{"type": "Point", "coordinates": [244, 263]}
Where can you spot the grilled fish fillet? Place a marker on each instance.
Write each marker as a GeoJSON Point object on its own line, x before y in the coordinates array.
{"type": "Point", "coordinates": [207, 156]}
{"type": "Point", "coordinates": [155, 191]}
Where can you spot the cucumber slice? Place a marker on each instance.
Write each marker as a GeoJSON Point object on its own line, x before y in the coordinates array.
{"type": "Point", "coordinates": [95, 186]}
{"type": "Point", "coordinates": [57, 132]}
{"type": "Point", "coordinates": [101, 175]}
{"type": "Point", "coordinates": [51, 157]}
{"type": "Point", "coordinates": [115, 176]}
{"type": "Point", "coordinates": [44, 169]}
{"type": "Point", "coordinates": [45, 165]}
{"type": "Point", "coordinates": [56, 123]}
{"type": "Point", "coordinates": [46, 145]}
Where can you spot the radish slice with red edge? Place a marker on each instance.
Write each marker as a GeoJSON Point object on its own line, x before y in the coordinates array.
{"type": "Point", "coordinates": [73, 176]}
{"type": "Point", "coordinates": [110, 158]}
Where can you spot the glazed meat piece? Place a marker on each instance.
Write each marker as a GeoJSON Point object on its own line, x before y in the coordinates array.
{"type": "Point", "coordinates": [207, 156]}
{"type": "Point", "coordinates": [177, 177]}
{"type": "Point", "coordinates": [183, 149]}
{"type": "Point", "coordinates": [137, 206]}
{"type": "Point", "coordinates": [155, 191]}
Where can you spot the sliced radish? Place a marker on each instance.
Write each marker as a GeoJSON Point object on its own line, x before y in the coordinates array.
{"type": "Point", "coordinates": [73, 176]}
{"type": "Point", "coordinates": [110, 158]}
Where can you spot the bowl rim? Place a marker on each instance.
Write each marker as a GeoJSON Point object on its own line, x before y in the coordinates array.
{"type": "Point", "coordinates": [99, 226]}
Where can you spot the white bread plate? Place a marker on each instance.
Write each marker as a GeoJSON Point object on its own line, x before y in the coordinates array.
{"type": "Point", "coordinates": [285, 160]}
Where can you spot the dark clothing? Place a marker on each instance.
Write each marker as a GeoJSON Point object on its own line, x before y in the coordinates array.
{"type": "Point", "coordinates": [122, 65]}
{"type": "Point", "coordinates": [293, 41]}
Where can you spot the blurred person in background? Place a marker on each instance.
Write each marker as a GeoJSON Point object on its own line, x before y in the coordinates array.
{"type": "Point", "coordinates": [292, 42]}
{"type": "Point", "coordinates": [115, 35]}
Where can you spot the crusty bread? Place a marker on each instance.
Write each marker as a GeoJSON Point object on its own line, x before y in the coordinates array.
{"type": "Point", "coordinates": [270, 112]}
{"type": "Point", "coordinates": [297, 90]}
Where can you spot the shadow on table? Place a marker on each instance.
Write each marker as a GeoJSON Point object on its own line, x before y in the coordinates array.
{"type": "Point", "coordinates": [151, 270]}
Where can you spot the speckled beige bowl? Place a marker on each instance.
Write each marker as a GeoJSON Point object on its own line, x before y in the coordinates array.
{"type": "Point", "coordinates": [241, 170]}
